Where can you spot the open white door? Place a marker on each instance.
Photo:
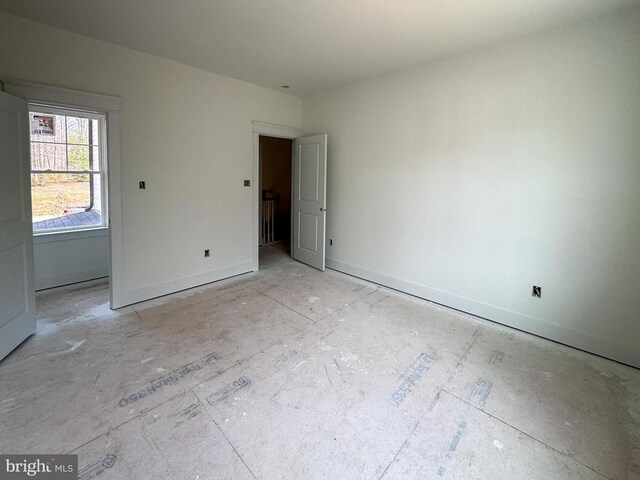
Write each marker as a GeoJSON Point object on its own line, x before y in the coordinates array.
{"type": "Point", "coordinates": [17, 292]}
{"type": "Point", "coordinates": [309, 207]}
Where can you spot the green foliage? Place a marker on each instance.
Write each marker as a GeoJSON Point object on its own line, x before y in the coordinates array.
{"type": "Point", "coordinates": [78, 156]}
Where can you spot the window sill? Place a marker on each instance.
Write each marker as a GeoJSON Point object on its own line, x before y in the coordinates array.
{"type": "Point", "coordinates": [49, 237]}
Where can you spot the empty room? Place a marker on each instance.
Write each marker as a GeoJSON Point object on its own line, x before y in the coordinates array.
{"type": "Point", "coordinates": [305, 239]}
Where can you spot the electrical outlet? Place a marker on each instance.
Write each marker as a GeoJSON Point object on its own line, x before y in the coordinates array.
{"type": "Point", "coordinates": [207, 253]}
{"type": "Point", "coordinates": [536, 291]}
{"type": "Point", "coordinates": [142, 185]}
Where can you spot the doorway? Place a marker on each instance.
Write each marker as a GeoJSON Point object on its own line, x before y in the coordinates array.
{"type": "Point", "coordinates": [263, 130]}
{"type": "Point", "coordinates": [68, 194]}
{"type": "Point", "coordinates": [307, 169]}
{"type": "Point", "coordinates": [86, 160]}
{"type": "Point", "coordinates": [275, 159]}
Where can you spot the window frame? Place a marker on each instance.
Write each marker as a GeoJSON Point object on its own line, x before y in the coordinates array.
{"type": "Point", "coordinates": [101, 117]}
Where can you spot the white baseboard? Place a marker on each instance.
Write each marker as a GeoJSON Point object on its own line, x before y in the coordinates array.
{"type": "Point", "coordinates": [160, 289]}
{"type": "Point", "coordinates": [71, 277]}
{"type": "Point", "coordinates": [526, 323]}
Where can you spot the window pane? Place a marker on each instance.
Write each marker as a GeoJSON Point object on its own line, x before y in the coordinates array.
{"type": "Point", "coordinates": [48, 156]}
{"type": "Point", "coordinates": [78, 130]}
{"type": "Point", "coordinates": [65, 201]}
{"type": "Point", "coordinates": [41, 120]}
{"type": "Point", "coordinates": [66, 143]}
{"type": "Point", "coordinates": [78, 157]}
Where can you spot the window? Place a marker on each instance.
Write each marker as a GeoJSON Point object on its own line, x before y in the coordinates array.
{"type": "Point", "coordinates": [68, 181]}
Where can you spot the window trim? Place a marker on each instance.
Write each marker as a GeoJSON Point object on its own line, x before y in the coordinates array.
{"type": "Point", "coordinates": [46, 108]}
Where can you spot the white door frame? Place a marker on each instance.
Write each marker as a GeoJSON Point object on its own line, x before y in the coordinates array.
{"type": "Point", "coordinates": [110, 106]}
{"type": "Point", "coordinates": [268, 130]}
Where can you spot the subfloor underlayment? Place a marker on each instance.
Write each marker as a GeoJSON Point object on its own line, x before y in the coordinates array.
{"type": "Point", "coordinates": [292, 373]}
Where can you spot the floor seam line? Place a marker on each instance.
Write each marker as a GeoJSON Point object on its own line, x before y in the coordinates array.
{"type": "Point", "coordinates": [249, 357]}
{"type": "Point", "coordinates": [286, 306]}
{"type": "Point", "coordinates": [526, 434]}
{"type": "Point", "coordinates": [355, 302]}
{"type": "Point", "coordinates": [338, 309]}
{"type": "Point", "coordinates": [233, 447]}
{"type": "Point", "coordinates": [386, 295]}
{"type": "Point", "coordinates": [182, 308]}
{"type": "Point", "coordinates": [464, 356]}
{"type": "Point", "coordinates": [404, 444]}
{"type": "Point", "coordinates": [358, 300]}
{"type": "Point", "coordinates": [135, 417]}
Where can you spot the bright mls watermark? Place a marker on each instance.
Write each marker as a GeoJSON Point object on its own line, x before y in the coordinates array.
{"type": "Point", "coordinates": [51, 467]}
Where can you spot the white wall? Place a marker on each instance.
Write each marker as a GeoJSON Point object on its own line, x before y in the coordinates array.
{"type": "Point", "coordinates": [60, 259]}
{"type": "Point", "coordinates": [186, 132]}
{"type": "Point", "coordinates": [468, 180]}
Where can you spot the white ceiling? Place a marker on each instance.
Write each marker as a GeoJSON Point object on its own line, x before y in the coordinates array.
{"type": "Point", "coordinates": [310, 45]}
